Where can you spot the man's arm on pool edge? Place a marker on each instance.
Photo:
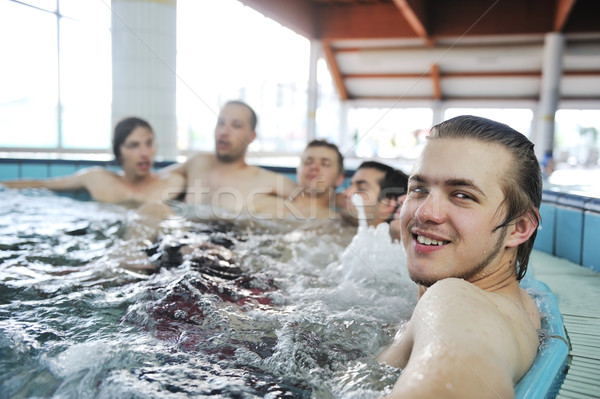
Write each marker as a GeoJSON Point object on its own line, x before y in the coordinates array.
{"type": "Point", "coordinates": [78, 180]}
{"type": "Point", "coordinates": [462, 347]}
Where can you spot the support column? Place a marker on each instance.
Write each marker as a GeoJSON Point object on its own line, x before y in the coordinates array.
{"type": "Point", "coordinates": [346, 142]}
{"type": "Point", "coordinates": [313, 90]}
{"type": "Point", "coordinates": [143, 61]}
{"type": "Point", "coordinates": [438, 112]}
{"type": "Point", "coordinates": [554, 44]}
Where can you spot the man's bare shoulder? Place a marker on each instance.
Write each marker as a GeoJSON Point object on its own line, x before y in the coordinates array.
{"type": "Point", "coordinates": [463, 343]}
{"type": "Point", "coordinates": [283, 185]}
{"type": "Point", "coordinates": [201, 157]}
{"type": "Point", "coordinates": [197, 163]}
{"type": "Point", "coordinates": [96, 171]}
{"type": "Point", "coordinates": [459, 311]}
{"type": "Point", "coordinates": [451, 297]}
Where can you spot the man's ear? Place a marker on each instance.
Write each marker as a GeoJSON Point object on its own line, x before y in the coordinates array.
{"type": "Point", "coordinates": [523, 228]}
{"type": "Point", "coordinates": [252, 136]}
{"type": "Point", "coordinates": [401, 199]}
{"type": "Point", "coordinates": [390, 205]}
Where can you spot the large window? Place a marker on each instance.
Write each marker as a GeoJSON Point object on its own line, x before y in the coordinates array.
{"type": "Point", "coordinates": [388, 133]}
{"type": "Point", "coordinates": [28, 77]}
{"type": "Point", "coordinates": [519, 119]}
{"type": "Point", "coordinates": [228, 51]}
{"type": "Point", "coordinates": [55, 75]}
{"type": "Point", "coordinates": [576, 137]}
{"type": "Point", "coordinates": [86, 86]}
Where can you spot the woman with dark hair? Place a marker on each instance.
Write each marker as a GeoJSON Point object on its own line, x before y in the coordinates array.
{"type": "Point", "coordinates": [134, 148]}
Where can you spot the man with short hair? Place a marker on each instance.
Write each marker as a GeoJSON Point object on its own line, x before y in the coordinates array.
{"type": "Point", "coordinates": [134, 148]}
{"type": "Point", "coordinates": [224, 179]}
{"type": "Point", "coordinates": [321, 170]}
{"type": "Point", "coordinates": [381, 188]}
{"type": "Point", "coordinates": [468, 225]}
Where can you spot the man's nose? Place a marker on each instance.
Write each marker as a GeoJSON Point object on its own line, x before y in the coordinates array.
{"type": "Point", "coordinates": [146, 151]}
{"type": "Point", "coordinates": [349, 192]}
{"type": "Point", "coordinates": [430, 209]}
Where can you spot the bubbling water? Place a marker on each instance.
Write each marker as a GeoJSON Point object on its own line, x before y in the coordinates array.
{"type": "Point", "coordinates": [244, 309]}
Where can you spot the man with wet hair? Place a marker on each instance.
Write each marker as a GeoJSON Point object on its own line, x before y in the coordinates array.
{"type": "Point", "coordinates": [224, 180]}
{"type": "Point", "coordinates": [134, 148]}
{"type": "Point", "coordinates": [468, 225]}
{"type": "Point", "coordinates": [382, 189]}
{"type": "Point", "coordinates": [320, 172]}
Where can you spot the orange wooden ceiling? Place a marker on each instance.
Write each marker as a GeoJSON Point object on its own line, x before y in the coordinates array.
{"type": "Point", "coordinates": [359, 36]}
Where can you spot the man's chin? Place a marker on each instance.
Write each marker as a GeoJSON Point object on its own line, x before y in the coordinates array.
{"type": "Point", "coordinates": [226, 158]}
{"type": "Point", "coordinates": [349, 218]}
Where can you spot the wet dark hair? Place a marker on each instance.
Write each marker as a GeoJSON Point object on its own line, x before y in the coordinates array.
{"type": "Point", "coordinates": [522, 185]}
{"type": "Point", "coordinates": [331, 146]}
{"type": "Point", "coordinates": [393, 184]}
{"type": "Point", "coordinates": [122, 130]}
{"type": "Point", "coordinates": [253, 117]}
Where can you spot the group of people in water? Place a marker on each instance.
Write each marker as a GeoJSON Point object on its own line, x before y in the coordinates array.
{"type": "Point", "coordinates": [225, 181]}
{"type": "Point", "coordinates": [467, 217]}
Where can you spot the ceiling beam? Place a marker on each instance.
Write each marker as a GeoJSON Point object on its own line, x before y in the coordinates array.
{"type": "Point", "coordinates": [334, 70]}
{"type": "Point", "coordinates": [414, 15]}
{"type": "Point", "coordinates": [435, 78]}
{"type": "Point", "coordinates": [563, 11]}
{"type": "Point", "coordinates": [458, 98]}
{"type": "Point", "coordinates": [498, 74]}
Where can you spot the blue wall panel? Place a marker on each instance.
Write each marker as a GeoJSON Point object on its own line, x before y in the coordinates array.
{"type": "Point", "coordinates": [591, 241]}
{"type": "Point", "coordinates": [591, 235]}
{"type": "Point", "coordinates": [569, 222]}
{"type": "Point", "coordinates": [57, 170]}
{"type": "Point", "coordinates": [9, 171]}
{"type": "Point", "coordinates": [34, 171]}
{"type": "Point", "coordinates": [544, 241]}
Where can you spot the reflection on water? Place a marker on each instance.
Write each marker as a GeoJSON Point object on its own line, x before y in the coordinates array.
{"type": "Point", "coordinates": [269, 309]}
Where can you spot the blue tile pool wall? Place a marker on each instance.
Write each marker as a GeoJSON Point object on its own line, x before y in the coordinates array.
{"type": "Point", "coordinates": [9, 171]}
{"type": "Point", "coordinates": [570, 228]}
{"type": "Point", "coordinates": [591, 237]}
{"type": "Point", "coordinates": [544, 241]}
{"type": "Point", "coordinates": [569, 237]}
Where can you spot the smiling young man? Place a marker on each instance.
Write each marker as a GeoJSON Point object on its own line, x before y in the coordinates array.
{"type": "Point", "coordinates": [468, 225]}
{"type": "Point", "coordinates": [134, 149]}
{"type": "Point", "coordinates": [320, 172]}
{"type": "Point", "coordinates": [224, 180]}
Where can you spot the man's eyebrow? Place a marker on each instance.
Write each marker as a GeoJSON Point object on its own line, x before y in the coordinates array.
{"type": "Point", "coordinates": [450, 183]}
{"type": "Point", "coordinates": [464, 183]}
{"type": "Point", "coordinates": [417, 178]}
{"type": "Point", "coordinates": [361, 182]}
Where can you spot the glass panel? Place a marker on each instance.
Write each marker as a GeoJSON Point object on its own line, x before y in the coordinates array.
{"type": "Point", "coordinates": [92, 11]}
{"type": "Point", "coordinates": [518, 118]}
{"type": "Point", "coordinates": [86, 88]}
{"type": "Point", "coordinates": [49, 5]}
{"type": "Point", "coordinates": [266, 66]}
{"type": "Point", "coordinates": [28, 77]}
{"type": "Point", "coordinates": [576, 137]}
{"type": "Point", "coordinates": [389, 133]}
{"type": "Point", "coordinates": [328, 108]}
